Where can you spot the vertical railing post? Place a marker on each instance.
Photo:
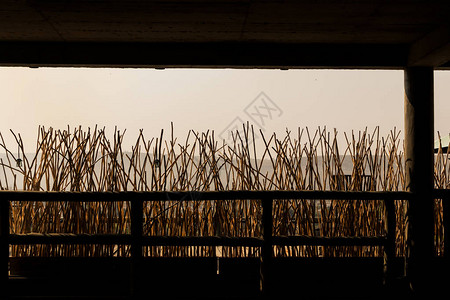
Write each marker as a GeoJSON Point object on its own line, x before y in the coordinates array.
{"type": "Point", "coordinates": [137, 221]}
{"type": "Point", "coordinates": [446, 216]}
{"type": "Point", "coordinates": [266, 250]}
{"type": "Point", "coordinates": [4, 245]}
{"type": "Point", "coordinates": [389, 248]}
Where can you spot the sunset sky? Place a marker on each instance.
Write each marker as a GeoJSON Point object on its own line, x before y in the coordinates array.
{"type": "Point", "coordinates": [202, 99]}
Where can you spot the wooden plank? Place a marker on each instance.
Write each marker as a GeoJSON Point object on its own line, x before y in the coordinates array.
{"type": "Point", "coordinates": [201, 241]}
{"type": "Point", "coordinates": [329, 241]}
{"type": "Point", "coordinates": [441, 193]}
{"type": "Point", "coordinates": [197, 196]}
{"type": "Point", "coordinates": [69, 239]}
{"type": "Point", "coordinates": [105, 239]}
{"type": "Point", "coordinates": [113, 239]}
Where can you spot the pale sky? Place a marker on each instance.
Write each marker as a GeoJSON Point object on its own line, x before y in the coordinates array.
{"type": "Point", "coordinates": [202, 99]}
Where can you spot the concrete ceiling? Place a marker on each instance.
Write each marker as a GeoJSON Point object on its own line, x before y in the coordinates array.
{"type": "Point", "coordinates": [226, 33]}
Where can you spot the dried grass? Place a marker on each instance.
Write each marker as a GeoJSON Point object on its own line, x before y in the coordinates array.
{"type": "Point", "coordinates": [87, 160]}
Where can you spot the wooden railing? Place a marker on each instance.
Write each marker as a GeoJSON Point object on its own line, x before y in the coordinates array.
{"type": "Point", "coordinates": [137, 240]}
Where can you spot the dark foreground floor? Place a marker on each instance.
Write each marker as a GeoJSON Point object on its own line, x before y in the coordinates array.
{"type": "Point", "coordinates": [206, 278]}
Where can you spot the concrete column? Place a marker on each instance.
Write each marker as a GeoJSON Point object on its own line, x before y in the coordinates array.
{"type": "Point", "coordinates": [419, 143]}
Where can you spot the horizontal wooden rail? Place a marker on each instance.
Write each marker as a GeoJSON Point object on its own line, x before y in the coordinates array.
{"type": "Point", "coordinates": [124, 239]}
{"type": "Point", "coordinates": [202, 241]}
{"type": "Point", "coordinates": [329, 241]}
{"type": "Point", "coordinates": [118, 239]}
{"type": "Point", "coordinates": [196, 196]}
{"type": "Point", "coordinates": [69, 239]}
{"type": "Point", "coordinates": [441, 194]}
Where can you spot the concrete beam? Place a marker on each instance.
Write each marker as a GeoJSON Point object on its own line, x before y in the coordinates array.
{"type": "Point", "coordinates": [201, 55]}
{"type": "Point", "coordinates": [432, 50]}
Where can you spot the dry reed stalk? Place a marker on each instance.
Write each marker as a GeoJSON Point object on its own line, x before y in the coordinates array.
{"type": "Point", "coordinates": [78, 160]}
